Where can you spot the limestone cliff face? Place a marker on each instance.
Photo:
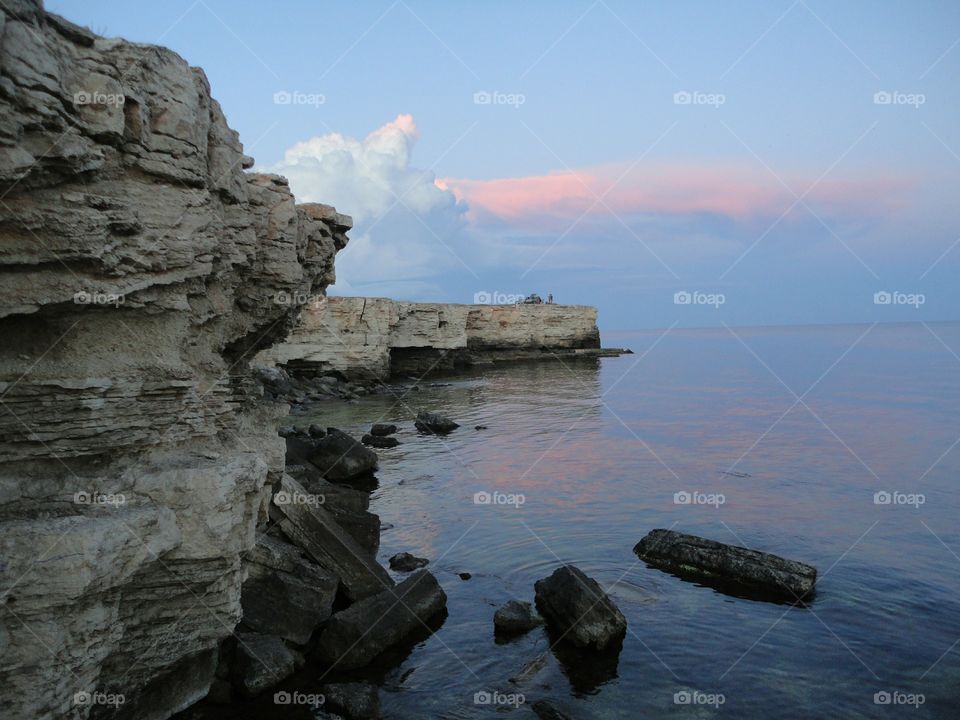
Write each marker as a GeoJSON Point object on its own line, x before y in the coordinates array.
{"type": "Point", "coordinates": [141, 269]}
{"type": "Point", "coordinates": [372, 337]}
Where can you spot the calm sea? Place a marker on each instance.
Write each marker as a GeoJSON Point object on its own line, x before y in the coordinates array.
{"type": "Point", "coordinates": [782, 438]}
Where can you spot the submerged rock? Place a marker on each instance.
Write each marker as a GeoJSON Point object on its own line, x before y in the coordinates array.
{"type": "Point", "coordinates": [728, 567]}
{"type": "Point", "coordinates": [339, 457]}
{"type": "Point", "coordinates": [430, 422]}
{"type": "Point", "coordinates": [405, 562]}
{"type": "Point", "coordinates": [515, 617]}
{"type": "Point", "coordinates": [576, 607]}
{"type": "Point", "coordinates": [354, 637]}
{"type": "Point", "coordinates": [352, 700]}
{"type": "Point", "coordinates": [382, 429]}
{"type": "Point", "coordinates": [379, 441]}
{"type": "Point", "coordinates": [547, 710]}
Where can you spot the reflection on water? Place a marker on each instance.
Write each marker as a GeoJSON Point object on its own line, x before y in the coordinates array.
{"type": "Point", "coordinates": [797, 437]}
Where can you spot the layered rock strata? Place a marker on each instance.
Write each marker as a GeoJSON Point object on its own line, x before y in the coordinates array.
{"type": "Point", "coordinates": [373, 338]}
{"type": "Point", "coordinates": [142, 268]}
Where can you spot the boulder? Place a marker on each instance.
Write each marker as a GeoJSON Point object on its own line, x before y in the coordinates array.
{"type": "Point", "coordinates": [578, 609]}
{"type": "Point", "coordinates": [382, 429]}
{"type": "Point", "coordinates": [315, 431]}
{"type": "Point", "coordinates": [354, 637]}
{"type": "Point", "coordinates": [405, 562]}
{"type": "Point", "coordinates": [379, 441]}
{"type": "Point", "coordinates": [430, 422]}
{"type": "Point", "coordinates": [260, 662]}
{"type": "Point", "coordinates": [515, 617]}
{"type": "Point", "coordinates": [352, 700]}
{"type": "Point", "coordinates": [339, 457]}
{"type": "Point", "coordinates": [284, 593]}
{"type": "Point", "coordinates": [313, 529]}
{"type": "Point", "coordinates": [728, 567]}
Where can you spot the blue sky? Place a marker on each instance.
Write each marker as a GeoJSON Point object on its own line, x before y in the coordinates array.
{"type": "Point", "coordinates": [783, 187]}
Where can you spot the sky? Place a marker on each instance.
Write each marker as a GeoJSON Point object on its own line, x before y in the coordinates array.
{"type": "Point", "coordinates": [760, 162]}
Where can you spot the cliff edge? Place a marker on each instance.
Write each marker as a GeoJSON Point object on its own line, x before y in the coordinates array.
{"type": "Point", "coordinates": [141, 270]}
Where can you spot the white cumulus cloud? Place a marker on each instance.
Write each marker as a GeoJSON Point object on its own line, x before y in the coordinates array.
{"type": "Point", "coordinates": [405, 224]}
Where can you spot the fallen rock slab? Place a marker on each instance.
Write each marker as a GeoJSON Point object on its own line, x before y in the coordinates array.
{"type": "Point", "coordinates": [430, 422]}
{"type": "Point", "coordinates": [352, 700]}
{"type": "Point", "coordinates": [515, 617]}
{"type": "Point", "coordinates": [405, 562]}
{"type": "Point", "coordinates": [728, 567]}
{"type": "Point", "coordinates": [354, 637]}
{"type": "Point", "coordinates": [260, 662]}
{"type": "Point", "coordinates": [313, 529]}
{"type": "Point", "coordinates": [285, 594]}
{"type": "Point", "coordinates": [339, 457]}
{"type": "Point", "coordinates": [577, 608]}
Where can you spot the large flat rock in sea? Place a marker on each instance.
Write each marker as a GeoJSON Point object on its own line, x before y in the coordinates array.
{"type": "Point", "coordinates": [728, 567]}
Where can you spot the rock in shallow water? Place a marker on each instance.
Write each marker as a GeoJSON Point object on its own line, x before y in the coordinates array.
{"type": "Point", "coordinates": [405, 562]}
{"type": "Point", "coordinates": [430, 422]}
{"type": "Point", "coordinates": [379, 441]}
{"type": "Point", "coordinates": [339, 457]}
{"type": "Point", "coordinates": [354, 637]}
{"type": "Point", "coordinates": [382, 429]}
{"type": "Point", "coordinates": [515, 617]}
{"type": "Point", "coordinates": [728, 567]}
{"type": "Point", "coordinates": [353, 700]}
{"type": "Point", "coordinates": [577, 608]}
{"type": "Point", "coordinates": [546, 710]}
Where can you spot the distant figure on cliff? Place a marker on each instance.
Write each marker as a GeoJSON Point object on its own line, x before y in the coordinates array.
{"type": "Point", "coordinates": [549, 298]}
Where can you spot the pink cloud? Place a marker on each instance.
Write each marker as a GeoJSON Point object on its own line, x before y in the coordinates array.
{"type": "Point", "coordinates": [735, 191]}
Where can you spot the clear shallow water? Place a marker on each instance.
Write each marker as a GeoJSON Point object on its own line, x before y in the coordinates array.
{"type": "Point", "coordinates": [598, 450]}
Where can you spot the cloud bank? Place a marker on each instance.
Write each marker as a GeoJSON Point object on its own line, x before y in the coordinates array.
{"type": "Point", "coordinates": [405, 225]}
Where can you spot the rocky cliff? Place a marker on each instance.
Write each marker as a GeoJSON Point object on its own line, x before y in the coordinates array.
{"type": "Point", "coordinates": [142, 267]}
{"type": "Point", "coordinates": [375, 337]}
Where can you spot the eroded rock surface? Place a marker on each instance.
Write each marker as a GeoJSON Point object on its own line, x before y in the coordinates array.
{"type": "Point", "coordinates": [141, 269]}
